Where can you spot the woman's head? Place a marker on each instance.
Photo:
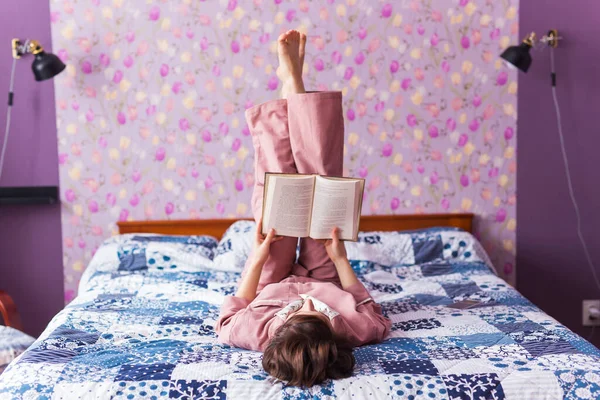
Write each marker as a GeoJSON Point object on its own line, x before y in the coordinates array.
{"type": "Point", "coordinates": [304, 352]}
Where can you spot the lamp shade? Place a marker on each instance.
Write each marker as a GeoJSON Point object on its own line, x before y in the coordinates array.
{"type": "Point", "coordinates": [518, 56]}
{"type": "Point", "coordinates": [46, 66]}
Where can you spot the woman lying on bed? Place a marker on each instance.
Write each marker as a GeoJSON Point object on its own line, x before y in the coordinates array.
{"type": "Point", "coordinates": [305, 314]}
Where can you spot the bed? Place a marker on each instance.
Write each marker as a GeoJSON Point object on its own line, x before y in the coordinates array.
{"type": "Point", "coordinates": [142, 324]}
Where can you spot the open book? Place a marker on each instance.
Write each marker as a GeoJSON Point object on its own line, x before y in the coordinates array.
{"type": "Point", "coordinates": [301, 205]}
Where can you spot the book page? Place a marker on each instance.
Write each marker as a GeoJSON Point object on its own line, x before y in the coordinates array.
{"type": "Point", "coordinates": [335, 205]}
{"type": "Point", "coordinates": [288, 203]}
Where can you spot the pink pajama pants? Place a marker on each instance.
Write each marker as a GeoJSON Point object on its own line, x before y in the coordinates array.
{"type": "Point", "coordinates": [303, 134]}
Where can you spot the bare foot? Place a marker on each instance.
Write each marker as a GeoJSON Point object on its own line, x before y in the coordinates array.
{"type": "Point", "coordinates": [290, 46]}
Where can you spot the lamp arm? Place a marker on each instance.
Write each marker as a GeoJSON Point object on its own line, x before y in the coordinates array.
{"type": "Point", "coordinates": [8, 115]}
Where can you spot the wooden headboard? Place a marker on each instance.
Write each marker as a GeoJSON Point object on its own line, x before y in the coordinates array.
{"type": "Point", "coordinates": [217, 227]}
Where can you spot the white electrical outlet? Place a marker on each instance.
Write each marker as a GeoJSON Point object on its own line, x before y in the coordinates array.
{"type": "Point", "coordinates": [589, 320]}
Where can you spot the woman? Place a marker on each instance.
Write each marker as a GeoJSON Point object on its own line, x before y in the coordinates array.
{"type": "Point", "coordinates": [305, 314]}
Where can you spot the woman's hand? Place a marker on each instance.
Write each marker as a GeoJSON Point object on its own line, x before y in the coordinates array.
{"type": "Point", "coordinates": [262, 244]}
{"type": "Point", "coordinates": [335, 248]}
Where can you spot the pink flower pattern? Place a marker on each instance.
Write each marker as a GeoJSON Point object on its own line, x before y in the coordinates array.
{"type": "Point", "coordinates": [151, 108]}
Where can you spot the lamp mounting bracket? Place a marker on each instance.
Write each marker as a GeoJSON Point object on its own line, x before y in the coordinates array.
{"type": "Point", "coordinates": [20, 47]}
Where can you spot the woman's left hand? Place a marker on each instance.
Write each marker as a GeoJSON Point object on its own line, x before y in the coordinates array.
{"type": "Point", "coordinates": [262, 244]}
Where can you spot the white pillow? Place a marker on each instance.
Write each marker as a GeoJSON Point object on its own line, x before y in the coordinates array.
{"type": "Point", "coordinates": [417, 247]}
{"type": "Point", "coordinates": [234, 247]}
{"type": "Point", "coordinates": [12, 344]}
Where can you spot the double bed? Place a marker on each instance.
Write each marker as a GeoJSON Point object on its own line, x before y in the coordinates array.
{"type": "Point", "coordinates": [142, 326]}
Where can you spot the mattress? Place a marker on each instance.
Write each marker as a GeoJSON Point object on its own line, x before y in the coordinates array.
{"type": "Point", "coordinates": [142, 327]}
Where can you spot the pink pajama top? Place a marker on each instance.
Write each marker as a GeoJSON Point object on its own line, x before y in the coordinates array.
{"type": "Point", "coordinates": [250, 325]}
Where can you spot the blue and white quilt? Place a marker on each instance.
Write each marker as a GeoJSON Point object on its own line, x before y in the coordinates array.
{"type": "Point", "coordinates": [142, 327]}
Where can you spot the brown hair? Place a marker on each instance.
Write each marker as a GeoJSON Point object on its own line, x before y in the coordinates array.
{"type": "Point", "coordinates": [304, 351]}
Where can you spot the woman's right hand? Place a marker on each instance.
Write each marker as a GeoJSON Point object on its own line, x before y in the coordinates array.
{"type": "Point", "coordinates": [335, 247]}
{"type": "Point", "coordinates": [262, 244]}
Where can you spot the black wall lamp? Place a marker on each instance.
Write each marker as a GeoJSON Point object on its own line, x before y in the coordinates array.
{"type": "Point", "coordinates": [519, 57]}
{"type": "Point", "coordinates": [45, 66]}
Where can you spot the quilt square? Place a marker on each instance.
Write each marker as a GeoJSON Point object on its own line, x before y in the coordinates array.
{"type": "Point", "coordinates": [422, 287]}
{"type": "Point", "coordinates": [436, 342]}
{"type": "Point", "coordinates": [582, 345]}
{"type": "Point", "coordinates": [252, 389]}
{"type": "Point", "coordinates": [202, 309]}
{"type": "Point", "coordinates": [181, 320]}
{"type": "Point", "coordinates": [31, 375]}
{"type": "Point", "coordinates": [383, 288]}
{"type": "Point", "coordinates": [507, 357]}
{"type": "Point", "coordinates": [570, 361]}
{"type": "Point", "coordinates": [538, 349]}
{"type": "Point", "coordinates": [203, 283]}
{"type": "Point", "coordinates": [429, 270]}
{"type": "Point", "coordinates": [150, 372]}
{"type": "Point", "coordinates": [135, 261]}
{"type": "Point", "coordinates": [451, 353]}
{"type": "Point", "coordinates": [163, 350]}
{"type": "Point", "coordinates": [501, 315]}
{"type": "Point", "coordinates": [455, 290]}
{"type": "Point", "coordinates": [393, 349]}
{"type": "Point", "coordinates": [534, 336]}
{"type": "Point", "coordinates": [76, 336]}
{"type": "Point", "coordinates": [491, 283]}
{"type": "Point", "coordinates": [474, 386]}
{"type": "Point", "coordinates": [418, 387]}
{"type": "Point", "coordinates": [80, 373]}
{"type": "Point", "coordinates": [108, 358]}
{"type": "Point", "coordinates": [368, 369]}
{"type": "Point", "coordinates": [465, 324]}
{"type": "Point", "coordinates": [486, 339]}
{"type": "Point", "coordinates": [532, 385]}
{"type": "Point", "coordinates": [407, 272]}
{"type": "Point", "coordinates": [249, 363]}
{"type": "Point", "coordinates": [207, 389]}
{"type": "Point", "coordinates": [206, 353]}
{"type": "Point", "coordinates": [579, 384]}
{"type": "Point", "coordinates": [367, 354]}
{"type": "Point", "coordinates": [509, 298]}
{"type": "Point", "coordinates": [433, 300]}
{"type": "Point", "coordinates": [81, 390]}
{"type": "Point", "coordinates": [417, 324]}
{"type": "Point", "coordinates": [48, 356]}
{"type": "Point", "coordinates": [427, 248]}
{"type": "Point", "coordinates": [413, 367]}
{"type": "Point", "coordinates": [323, 391]}
{"type": "Point", "coordinates": [458, 249]}
{"type": "Point", "coordinates": [519, 327]}
{"type": "Point", "coordinates": [201, 371]}
{"type": "Point", "coordinates": [109, 301]}
{"type": "Point", "coordinates": [400, 307]}
{"type": "Point", "coordinates": [144, 389]}
{"type": "Point", "coordinates": [460, 367]}
{"type": "Point", "coordinates": [184, 332]}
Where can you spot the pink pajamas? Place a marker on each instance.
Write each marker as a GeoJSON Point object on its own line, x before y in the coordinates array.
{"type": "Point", "coordinates": [303, 134]}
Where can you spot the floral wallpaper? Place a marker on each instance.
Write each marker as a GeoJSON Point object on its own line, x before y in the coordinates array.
{"type": "Point", "coordinates": [151, 108]}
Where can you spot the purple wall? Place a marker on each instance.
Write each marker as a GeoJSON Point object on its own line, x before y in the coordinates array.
{"type": "Point", "coordinates": [30, 236]}
{"type": "Point", "coordinates": [553, 272]}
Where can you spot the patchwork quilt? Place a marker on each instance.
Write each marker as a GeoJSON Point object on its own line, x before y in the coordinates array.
{"type": "Point", "coordinates": [142, 327]}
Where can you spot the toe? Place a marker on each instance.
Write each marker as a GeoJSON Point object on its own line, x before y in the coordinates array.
{"type": "Point", "coordinates": [294, 36]}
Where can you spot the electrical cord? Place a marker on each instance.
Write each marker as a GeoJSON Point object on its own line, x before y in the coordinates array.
{"type": "Point", "coordinates": [568, 172]}
{"type": "Point", "coordinates": [8, 114]}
